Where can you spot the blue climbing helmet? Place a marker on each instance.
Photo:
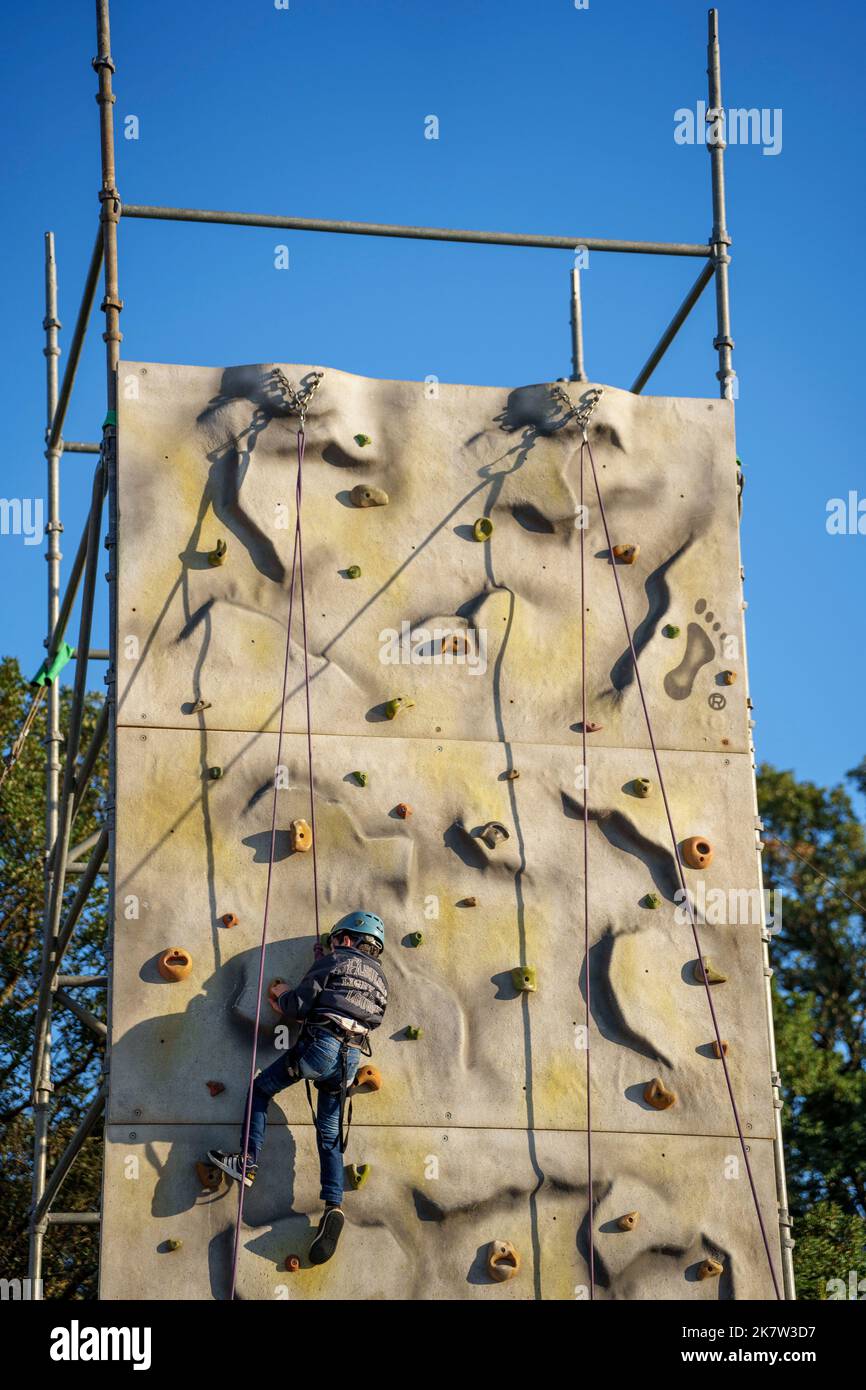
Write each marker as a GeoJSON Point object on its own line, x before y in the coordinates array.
{"type": "Point", "coordinates": [360, 923]}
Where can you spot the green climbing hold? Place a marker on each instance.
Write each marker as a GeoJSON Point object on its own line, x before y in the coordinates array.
{"type": "Point", "coordinates": [525, 979]}
{"type": "Point", "coordinates": [361, 778]}
{"type": "Point", "coordinates": [53, 665]}
{"type": "Point", "coordinates": [174, 1244]}
{"type": "Point", "coordinates": [652, 900]}
{"type": "Point", "coordinates": [714, 976]}
{"type": "Point", "coordinates": [393, 707]}
{"type": "Point", "coordinates": [362, 440]}
{"type": "Point", "coordinates": [483, 529]}
{"type": "Point", "coordinates": [359, 1173]}
{"type": "Point", "coordinates": [642, 786]}
{"type": "Point", "coordinates": [417, 938]}
{"type": "Point", "coordinates": [218, 554]}
{"type": "Point", "coordinates": [414, 1033]}
{"type": "Point", "coordinates": [353, 572]}
{"type": "Point", "coordinates": [670, 630]}
{"type": "Point", "coordinates": [214, 773]}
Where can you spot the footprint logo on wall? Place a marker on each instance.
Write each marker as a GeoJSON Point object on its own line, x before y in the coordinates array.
{"type": "Point", "coordinates": [700, 649]}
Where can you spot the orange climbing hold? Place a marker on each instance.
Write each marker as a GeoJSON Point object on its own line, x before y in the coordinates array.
{"type": "Point", "coordinates": [627, 554]}
{"type": "Point", "coordinates": [209, 1176]}
{"type": "Point", "coordinates": [216, 1088]}
{"type": "Point", "coordinates": [293, 1263]}
{"type": "Point", "coordinates": [717, 1052]}
{"type": "Point", "coordinates": [710, 1269]}
{"type": "Point", "coordinates": [628, 1221]}
{"type": "Point", "coordinates": [174, 964]}
{"type": "Point", "coordinates": [301, 836]}
{"type": "Point", "coordinates": [229, 919]}
{"type": "Point", "coordinates": [503, 1261]}
{"type": "Point", "coordinates": [697, 852]}
{"type": "Point", "coordinates": [403, 810]}
{"type": "Point", "coordinates": [658, 1096]}
{"type": "Point", "coordinates": [369, 1077]}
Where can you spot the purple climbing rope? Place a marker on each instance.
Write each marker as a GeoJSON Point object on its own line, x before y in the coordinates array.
{"type": "Point", "coordinates": [587, 997]}
{"type": "Point", "coordinates": [296, 554]}
{"type": "Point", "coordinates": [301, 442]}
{"type": "Point", "coordinates": [586, 446]}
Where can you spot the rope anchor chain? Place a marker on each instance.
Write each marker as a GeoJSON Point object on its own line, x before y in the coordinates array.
{"type": "Point", "coordinates": [299, 398]}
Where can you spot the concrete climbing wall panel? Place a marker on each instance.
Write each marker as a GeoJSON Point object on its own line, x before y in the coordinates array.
{"type": "Point", "coordinates": [495, 1088]}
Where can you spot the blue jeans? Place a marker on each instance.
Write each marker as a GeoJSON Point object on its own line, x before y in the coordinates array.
{"type": "Point", "coordinates": [317, 1058]}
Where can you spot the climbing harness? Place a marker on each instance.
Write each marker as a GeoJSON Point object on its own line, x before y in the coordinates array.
{"type": "Point", "coordinates": [298, 401]}
{"type": "Point", "coordinates": [582, 415]}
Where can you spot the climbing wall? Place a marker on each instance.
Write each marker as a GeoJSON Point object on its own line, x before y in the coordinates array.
{"type": "Point", "coordinates": [459, 820]}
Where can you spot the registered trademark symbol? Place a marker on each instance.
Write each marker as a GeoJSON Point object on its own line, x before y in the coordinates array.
{"type": "Point", "coordinates": [717, 700]}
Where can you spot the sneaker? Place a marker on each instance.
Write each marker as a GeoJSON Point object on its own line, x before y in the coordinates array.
{"type": "Point", "coordinates": [325, 1241]}
{"type": "Point", "coordinates": [233, 1164]}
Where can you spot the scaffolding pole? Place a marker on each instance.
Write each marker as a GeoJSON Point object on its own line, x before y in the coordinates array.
{"type": "Point", "coordinates": [720, 240]}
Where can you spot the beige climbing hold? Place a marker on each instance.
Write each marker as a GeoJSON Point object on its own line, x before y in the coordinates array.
{"type": "Point", "coordinates": [174, 964]}
{"type": "Point", "coordinates": [493, 833]}
{"type": "Point", "coordinates": [200, 706]}
{"type": "Point", "coordinates": [218, 554]}
{"type": "Point", "coordinates": [209, 1176]}
{"type": "Point", "coordinates": [714, 976]}
{"type": "Point", "coordinates": [358, 1174]}
{"type": "Point", "coordinates": [293, 1263]}
{"type": "Point", "coordinates": [710, 1269]}
{"type": "Point", "coordinates": [525, 979]}
{"type": "Point", "coordinates": [365, 496]}
{"type": "Point", "coordinates": [729, 677]}
{"type": "Point", "coordinates": [628, 1221]}
{"type": "Point", "coordinates": [592, 728]}
{"type": "Point", "coordinates": [512, 774]}
{"type": "Point", "coordinates": [716, 1051]}
{"type": "Point", "coordinates": [483, 529]}
{"type": "Point", "coordinates": [393, 707]}
{"type": "Point", "coordinates": [300, 836]}
{"type": "Point", "coordinates": [658, 1096]}
{"type": "Point", "coordinates": [503, 1261]}
{"type": "Point", "coordinates": [697, 852]}
{"type": "Point", "coordinates": [627, 554]}
{"type": "Point", "coordinates": [369, 1076]}
{"type": "Point", "coordinates": [468, 902]}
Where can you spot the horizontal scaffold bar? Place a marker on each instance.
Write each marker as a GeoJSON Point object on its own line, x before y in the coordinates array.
{"type": "Point", "coordinates": [318, 224]}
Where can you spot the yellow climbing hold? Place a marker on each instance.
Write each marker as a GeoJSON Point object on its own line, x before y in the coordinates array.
{"type": "Point", "coordinates": [393, 707]}
{"type": "Point", "coordinates": [359, 1173]}
{"type": "Point", "coordinates": [714, 976]}
{"type": "Point", "coordinates": [525, 979]}
{"type": "Point", "coordinates": [218, 554]}
{"type": "Point", "coordinates": [483, 529]}
{"type": "Point", "coordinates": [300, 836]}
{"type": "Point", "coordinates": [503, 1261]}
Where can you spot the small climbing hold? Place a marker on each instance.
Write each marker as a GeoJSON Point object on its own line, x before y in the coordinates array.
{"type": "Point", "coordinates": [716, 1051]}
{"type": "Point", "coordinates": [361, 778]}
{"type": "Point", "coordinates": [525, 979]}
{"type": "Point", "coordinates": [697, 852]}
{"type": "Point", "coordinates": [403, 810]}
{"type": "Point", "coordinates": [626, 553]}
{"type": "Point", "coordinates": [214, 773]}
{"type": "Point", "coordinates": [174, 1244]}
{"type": "Point", "coordinates": [365, 496]}
{"type": "Point", "coordinates": [493, 833]}
{"type": "Point", "coordinates": [512, 774]}
{"type": "Point", "coordinates": [729, 677]}
{"type": "Point", "coordinates": [670, 630]}
{"type": "Point", "coordinates": [218, 554]}
{"type": "Point", "coordinates": [216, 1088]}
{"type": "Point", "coordinates": [293, 1263]}
{"type": "Point", "coordinates": [468, 902]}
{"type": "Point", "coordinates": [358, 1174]}
{"type": "Point", "coordinates": [174, 964]}
{"type": "Point", "coordinates": [353, 572]}
{"type": "Point", "coordinates": [642, 786]}
{"type": "Point", "coordinates": [417, 938]}
{"type": "Point", "coordinates": [300, 836]}
{"type": "Point", "coordinates": [592, 728]}
{"type": "Point", "coordinates": [362, 440]}
{"type": "Point", "coordinates": [456, 642]}
{"type": "Point", "coordinates": [710, 1269]}
{"type": "Point", "coordinates": [209, 1176]}
{"type": "Point", "coordinates": [414, 1033]}
{"type": "Point", "coordinates": [483, 529]}
{"type": "Point", "coordinates": [369, 1076]}
{"type": "Point", "coordinates": [229, 919]}
{"type": "Point", "coordinates": [652, 900]}
{"type": "Point", "coordinates": [393, 707]}
{"type": "Point", "coordinates": [629, 1221]}
{"type": "Point", "coordinates": [658, 1096]}
{"type": "Point", "coordinates": [503, 1261]}
{"type": "Point", "coordinates": [200, 706]}
{"type": "Point", "coordinates": [714, 976]}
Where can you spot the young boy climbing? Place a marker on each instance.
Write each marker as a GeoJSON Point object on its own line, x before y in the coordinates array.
{"type": "Point", "coordinates": [340, 1000]}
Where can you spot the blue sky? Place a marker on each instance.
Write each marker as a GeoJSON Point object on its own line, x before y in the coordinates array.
{"type": "Point", "coordinates": [552, 119]}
